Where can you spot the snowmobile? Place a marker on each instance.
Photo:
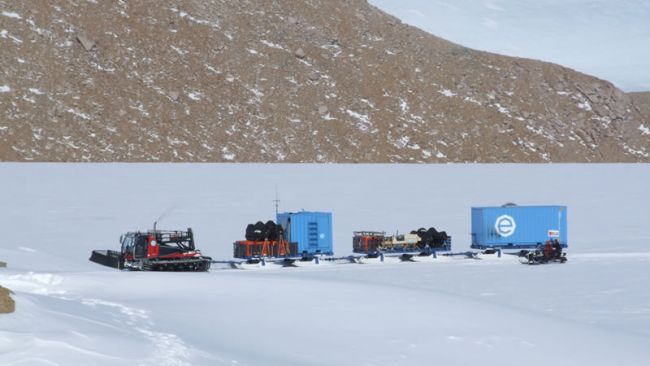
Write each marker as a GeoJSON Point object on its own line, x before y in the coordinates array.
{"type": "Point", "coordinates": [155, 250]}
{"type": "Point", "coordinates": [537, 256]}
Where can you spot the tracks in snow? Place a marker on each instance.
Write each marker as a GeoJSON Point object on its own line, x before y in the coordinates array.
{"type": "Point", "coordinates": [166, 349]}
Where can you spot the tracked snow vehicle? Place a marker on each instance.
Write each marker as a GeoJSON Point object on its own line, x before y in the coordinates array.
{"type": "Point", "coordinates": [155, 250]}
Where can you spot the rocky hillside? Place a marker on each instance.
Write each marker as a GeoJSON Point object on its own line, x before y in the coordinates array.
{"type": "Point", "coordinates": [641, 102]}
{"type": "Point", "coordinates": [286, 81]}
{"type": "Point", "coordinates": [7, 304]}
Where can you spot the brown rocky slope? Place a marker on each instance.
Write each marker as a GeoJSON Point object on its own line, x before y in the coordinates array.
{"type": "Point", "coordinates": [641, 102]}
{"type": "Point", "coordinates": [7, 304]}
{"type": "Point", "coordinates": [286, 81]}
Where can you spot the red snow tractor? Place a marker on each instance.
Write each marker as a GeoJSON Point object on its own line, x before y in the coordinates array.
{"type": "Point", "coordinates": [155, 250]}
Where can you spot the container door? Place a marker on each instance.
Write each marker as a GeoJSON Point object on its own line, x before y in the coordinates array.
{"type": "Point", "coordinates": [312, 236]}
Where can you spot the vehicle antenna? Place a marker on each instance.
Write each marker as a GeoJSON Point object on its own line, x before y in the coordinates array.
{"type": "Point", "coordinates": [276, 201]}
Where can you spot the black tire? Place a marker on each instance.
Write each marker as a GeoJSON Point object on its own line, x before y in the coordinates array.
{"type": "Point", "coordinates": [250, 232]}
{"type": "Point", "coordinates": [443, 235]}
{"type": "Point", "coordinates": [260, 231]}
{"type": "Point", "coordinates": [271, 232]}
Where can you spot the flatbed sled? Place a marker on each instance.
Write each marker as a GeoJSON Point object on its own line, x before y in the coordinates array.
{"type": "Point", "coordinates": [373, 258]}
{"type": "Point", "coordinates": [426, 256]}
{"type": "Point", "coordinates": [155, 250]}
{"type": "Point", "coordinates": [308, 261]}
{"type": "Point", "coordinates": [251, 263]}
{"type": "Point", "coordinates": [420, 241]}
{"type": "Point", "coordinates": [487, 254]}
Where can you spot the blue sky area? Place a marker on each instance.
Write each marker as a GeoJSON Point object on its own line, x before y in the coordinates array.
{"type": "Point", "coordinates": [609, 39]}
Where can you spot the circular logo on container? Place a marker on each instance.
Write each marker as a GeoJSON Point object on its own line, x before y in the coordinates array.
{"type": "Point", "coordinates": [505, 226]}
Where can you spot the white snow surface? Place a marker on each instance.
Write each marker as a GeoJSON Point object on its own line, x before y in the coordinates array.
{"type": "Point", "coordinates": [593, 310]}
{"type": "Point", "coordinates": [604, 38]}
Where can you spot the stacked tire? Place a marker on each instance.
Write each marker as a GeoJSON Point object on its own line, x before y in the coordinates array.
{"type": "Point", "coordinates": [261, 231]}
{"type": "Point", "coordinates": [430, 238]}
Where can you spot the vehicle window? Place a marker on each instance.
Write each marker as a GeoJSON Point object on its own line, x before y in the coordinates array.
{"type": "Point", "coordinates": [128, 243]}
{"type": "Point", "coordinates": [140, 246]}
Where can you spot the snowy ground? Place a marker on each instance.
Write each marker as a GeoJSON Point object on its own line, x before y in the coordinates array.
{"type": "Point", "coordinates": [604, 38]}
{"type": "Point", "coordinates": [593, 310]}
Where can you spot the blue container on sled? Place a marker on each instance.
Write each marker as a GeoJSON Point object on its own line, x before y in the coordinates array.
{"type": "Point", "coordinates": [311, 231]}
{"type": "Point", "coordinates": [518, 227]}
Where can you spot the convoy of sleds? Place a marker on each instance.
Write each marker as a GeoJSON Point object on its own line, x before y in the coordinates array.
{"type": "Point", "coordinates": [530, 234]}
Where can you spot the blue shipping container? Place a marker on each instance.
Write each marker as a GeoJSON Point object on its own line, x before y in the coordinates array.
{"type": "Point", "coordinates": [312, 231]}
{"type": "Point", "coordinates": [518, 227]}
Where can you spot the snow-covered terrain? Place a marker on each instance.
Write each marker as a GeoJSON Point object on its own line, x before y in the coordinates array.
{"type": "Point", "coordinates": [594, 310]}
{"type": "Point", "coordinates": [604, 38]}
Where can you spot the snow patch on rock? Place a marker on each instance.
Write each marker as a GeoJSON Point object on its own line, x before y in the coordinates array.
{"type": "Point", "coordinates": [585, 106]}
{"type": "Point", "coordinates": [447, 93]}
{"type": "Point", "coordinates": [363, 120]}
{"type": "Point", "coordinates": [196, 96]}
{"type": "Point", "coordinates": [11, 14]}
{"type": "Point", "coordinates": [271, 44]}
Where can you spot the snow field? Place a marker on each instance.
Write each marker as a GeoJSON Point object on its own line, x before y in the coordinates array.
{"type": "Point", "coordinates": [593, 310]}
